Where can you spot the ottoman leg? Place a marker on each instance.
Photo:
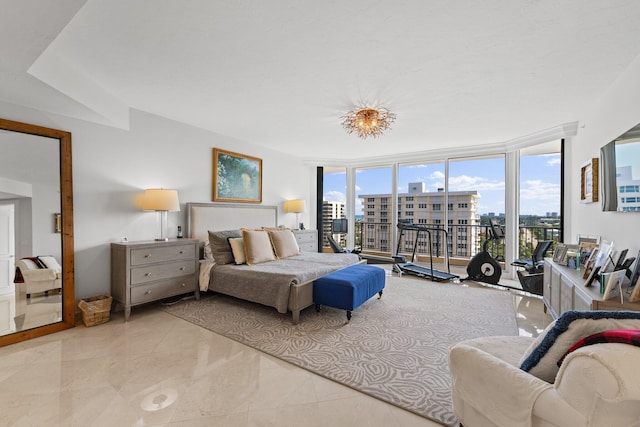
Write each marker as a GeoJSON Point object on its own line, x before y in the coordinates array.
{"type": "Point", "coordinates": [318, 306]}
{"type": "Point", "coordinates": [348, 315]}
{"type": "Point", "coordinates": [379, 294]}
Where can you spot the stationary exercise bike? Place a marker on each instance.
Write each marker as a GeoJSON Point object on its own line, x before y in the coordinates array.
{"type": "Point", "coordinates": [483, 267]}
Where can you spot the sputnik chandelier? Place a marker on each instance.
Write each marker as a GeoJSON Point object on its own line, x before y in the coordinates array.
{"type": "Point", "coordinates": [368, 122]}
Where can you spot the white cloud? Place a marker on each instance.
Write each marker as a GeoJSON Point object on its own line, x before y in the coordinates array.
{"type": "Point", "coordinates": [335, 196]}
{"type": "Point", "coordinates": [554, 161]}
{"type": "Point", "coordinates": [539, 190]}
{"type": "Point", "coordinates": [470, 183]}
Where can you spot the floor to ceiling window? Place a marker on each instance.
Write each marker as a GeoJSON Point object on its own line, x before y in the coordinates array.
{"type": "Point", "coordinates": [476, 188]}
{"type": "Point", "coordinates": [420, 201]}
{"type": "Point", "coordinates": [457, 197]}
{"type": "Point", "coordinates": [334, 203]}
{"type": "Point", "coordinates": [539, 196]}
{"type": "Point", "coordinates": [374, 209]}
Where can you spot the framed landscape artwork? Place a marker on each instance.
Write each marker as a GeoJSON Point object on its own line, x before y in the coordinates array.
{"type": "Point", "coordinates": [236, 177]}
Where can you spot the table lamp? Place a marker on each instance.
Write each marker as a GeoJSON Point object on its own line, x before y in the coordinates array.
{"type": "Point", "coordinates": [161, 201]}
{"type": "Point", "coordinates": [296, 206]}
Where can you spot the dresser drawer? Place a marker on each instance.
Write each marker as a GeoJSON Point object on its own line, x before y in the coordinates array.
{"type": "Point", "coordinates": [163, 289]}
{"type": "Point", "coordinates": [307, 240]}
{"type": "Point", "coordinates": [151, 255]}
{"type": "Point", "coordinates": [151, 273]}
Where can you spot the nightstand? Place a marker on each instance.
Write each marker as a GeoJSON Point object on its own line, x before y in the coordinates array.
{"type": "Point", "coordinates": [307, 240]}
{"type": "Point", "coordinates": [147, 271]}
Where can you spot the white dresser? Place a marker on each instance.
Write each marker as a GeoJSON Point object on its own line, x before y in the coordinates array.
{"type": "Point", "coordinates": [307, 240]}
{"type": "Point", "coordinates": [142, 272]}
{"type": "Point", "coordinates": [564, 289]}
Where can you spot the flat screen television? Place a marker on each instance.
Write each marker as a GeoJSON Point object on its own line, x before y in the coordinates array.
{"type": "Point", "coordinates": [620, 165]}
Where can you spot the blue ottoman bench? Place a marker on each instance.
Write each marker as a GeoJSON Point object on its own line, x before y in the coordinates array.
{"type": "Point", "coordinates": [348, 288]}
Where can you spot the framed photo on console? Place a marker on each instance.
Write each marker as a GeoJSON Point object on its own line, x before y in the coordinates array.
{"type": "Point", "coordinates": [560, 254]}
{"type": "Point", "coordinates": [588, 266]}
{"type": "Point", "coordinates": [635, 281]}
{"type": "Point", "coordinates": [635, 292]}
{"type": "Point", "coordinates": [613, 286]}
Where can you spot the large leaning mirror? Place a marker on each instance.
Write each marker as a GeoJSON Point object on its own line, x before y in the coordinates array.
{"type": "Point", "coordinates": [36, 232]}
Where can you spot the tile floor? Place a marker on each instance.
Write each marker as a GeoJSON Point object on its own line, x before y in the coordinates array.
{"type": "Point", "coordinates": [158, 370]}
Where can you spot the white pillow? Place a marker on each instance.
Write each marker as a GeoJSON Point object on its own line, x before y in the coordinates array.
{"type": "Point", "coordinates": [542, 356]}
{"type": "Point", "coordinates": [257, 246]}
{"type": "Point", "coordinates": [284, 243]}
{"type": "Point", "coordinates": [237, 249]}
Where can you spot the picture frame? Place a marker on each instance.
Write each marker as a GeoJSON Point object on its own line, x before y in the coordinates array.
{"type": "Point", "coordinates": [588, 266]}
{"type": "Point", "coordinates": [236, 177]}
{"type": "Point", "coordinates": [613, 287]}
{"type": "Point", "coordinates": [634, 275]}
{"type": "Point", "coordinates": [589, 181]}
{"type": "Point", "coordinates": [586, 250]}
{"type": "Point", "coordinates": [635, 293]}
{"type": "Point", "coordinates": [57, 222]}
{"type": "Point", "coordinates": [560, 253]}
{"type": "Point", "coordinates": [604, 254]}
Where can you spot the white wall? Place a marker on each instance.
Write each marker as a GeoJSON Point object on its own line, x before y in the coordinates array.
{"type": "Point", "coordinates": [112, 167]}
{"type": "Point", "coordinates": [616, 113]}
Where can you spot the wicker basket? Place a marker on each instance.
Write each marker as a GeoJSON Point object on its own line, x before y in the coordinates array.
{"type": "Point", "coordinates": [95, 310]}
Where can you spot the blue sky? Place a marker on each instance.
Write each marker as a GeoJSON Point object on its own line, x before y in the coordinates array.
{"type": "Point", "coordinates": [539, 188]}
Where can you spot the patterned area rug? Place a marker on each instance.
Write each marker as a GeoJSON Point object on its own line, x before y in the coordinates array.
{"type": "Point", "coordinates": [394, 348]}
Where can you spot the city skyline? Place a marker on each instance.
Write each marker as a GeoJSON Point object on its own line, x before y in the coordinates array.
{"type": "Point", "coordinates": [539, 182]}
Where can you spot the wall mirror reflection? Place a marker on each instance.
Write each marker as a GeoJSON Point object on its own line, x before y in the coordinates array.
{"type": "Point", "coordinates": [36, 231]}
{"type": "Point", "coordinates": [620, 161]}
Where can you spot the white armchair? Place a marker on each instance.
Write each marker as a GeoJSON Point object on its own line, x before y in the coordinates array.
{"type": "Point", "coordinates": [41, 275]}
{"type": "Point", "coordinates": [596, 385]}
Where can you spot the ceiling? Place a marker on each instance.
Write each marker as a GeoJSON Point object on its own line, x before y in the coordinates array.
{"type": "Point", "coordinates": [280, 73]}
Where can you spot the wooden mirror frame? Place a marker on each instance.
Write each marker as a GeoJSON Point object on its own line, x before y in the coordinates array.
{"type": "Point", "coordinates": [66, 205]}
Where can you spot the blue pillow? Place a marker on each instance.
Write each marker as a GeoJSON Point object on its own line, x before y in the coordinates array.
{"type": "Point", "coordinates": [542, 355]}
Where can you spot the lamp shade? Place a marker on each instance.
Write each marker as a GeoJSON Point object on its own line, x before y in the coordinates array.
{"type": "Point", "coordinates": [159, 199]}
{"type": "Point", "coordinates": [295, 206]}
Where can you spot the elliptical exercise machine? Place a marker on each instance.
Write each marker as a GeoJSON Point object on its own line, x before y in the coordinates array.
{"type": "Point", "coordinates": [483, 267]}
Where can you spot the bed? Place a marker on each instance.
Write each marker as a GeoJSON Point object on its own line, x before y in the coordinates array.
{"type": "Point", "coordinates": [285, 283]}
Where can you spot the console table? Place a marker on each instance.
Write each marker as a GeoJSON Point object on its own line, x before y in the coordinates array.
{"type": "Point", "coordinates": [563, 290]}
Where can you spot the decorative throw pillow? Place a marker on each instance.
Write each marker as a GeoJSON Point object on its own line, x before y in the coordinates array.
{"type": "Point", "coordinates": [237, 248]}
{"type": "Point", "coordinates": [220, 248]}
{"type": "Point", "coordinates": [257, 246]}
{"type": "Point", "coordinates": [541, 356]}
{"type": "Point", "coordinates": [622, 336]}
{"type": "Point", "coordinates": [284, 242]}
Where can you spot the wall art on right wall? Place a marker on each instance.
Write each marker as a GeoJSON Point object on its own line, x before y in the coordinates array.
{"type": "Point", "coordinates": [589, 181]}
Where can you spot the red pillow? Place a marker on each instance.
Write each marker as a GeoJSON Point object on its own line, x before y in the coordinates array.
{"type": "Point", "coordinates": [624, 336]}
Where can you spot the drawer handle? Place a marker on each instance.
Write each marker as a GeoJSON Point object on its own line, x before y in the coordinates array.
{"type": "Point", "coordinates": [147, 256]}
{"type": "Point", "coordinates": [183, 285]}
{"type": "Point", "coordinates": [181, 252]}
{"type": "Point", "coordinates": [148, 292]}
{"type": "Point", "coordinates": [181, 268]}
{"type": "Point", "coordinates": [147, 274]}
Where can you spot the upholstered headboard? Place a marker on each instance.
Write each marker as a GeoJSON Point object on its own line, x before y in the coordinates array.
{"type": "Point", "coordinates": [202, 217]}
